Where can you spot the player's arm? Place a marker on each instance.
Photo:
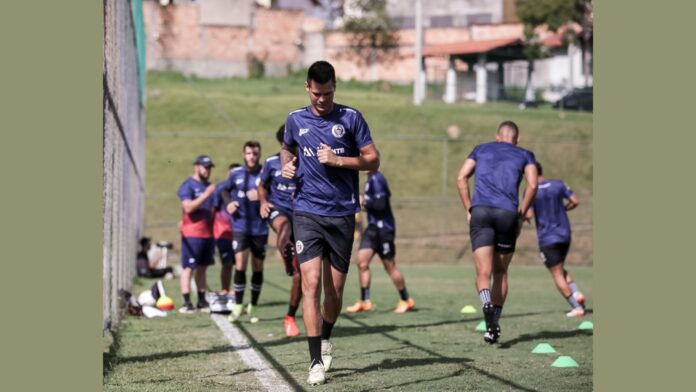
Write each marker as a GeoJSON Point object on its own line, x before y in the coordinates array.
{"type": "Point", "coordinates": [572, 202]}
{"type": "Point", "coordinates": [265, 208]}
{"type": "Point", "coordinates": [288, 159]}
{"type": "Point", "coordinates": [368, 159]}
{"type": "Point", "coordinates": [530, 212]}
{"type": "Point", "coordinates": [230, 205]}
{"type": "Point", "coordinates": [530, 174]}
{"type": "Point", "coordinates": [191, 205]}
{"type": "Point", "coordinates": [466, 171]}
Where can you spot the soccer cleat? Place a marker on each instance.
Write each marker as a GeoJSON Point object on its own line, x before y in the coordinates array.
{"type": "Point", "coordinates": [187, 308]}
{"type": "Point", "coordinates": [203, 306]}
{"type": "Point", "coordinates": [326, 354]}
{"type": "Point", "coordinates": [405, 306]}
{"type": "Point", "coordinates": [492, 328]}
{"type": "Point", "coordinates": [577, 312]}
{"type": "Point", "coordinates": [236, 313]}
{"type": "Point", "coordinates": [360, 306]}
{"type": "Point", "coordinates": [251, 311]}
{"type": "Point", "coordinates": [580, 297]}
{"type": "Point", "coordinates": [290, 326]}
{"type": "Point", "coordinates": [317, 374]}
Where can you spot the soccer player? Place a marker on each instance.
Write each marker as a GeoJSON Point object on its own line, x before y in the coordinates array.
{"type": "Point", "coordinates": [250, 230]}
{"type": "Point", "coordinates": [495, 214]}
{"type": "Point", "coordinates": [222, 232]}
{"type": "Point", "coordinates": [553, 232]}
{"type": "Point", "coordinates": [378, 238]}
{"type": "Point", "coordinates": [197, 243]}
{"type": "Point", "coordinates": [332, 142]}
{"type": "Point", "coordinates": [275, 195]}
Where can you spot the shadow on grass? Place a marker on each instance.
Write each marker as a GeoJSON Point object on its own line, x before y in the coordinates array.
{"type": "Point", "coordinates": [544, 335]}
{"type": "Point", "coordinates": [171, 355]}
{"type": "Point", "coordinates": [110, 357]}
{"type": "Point", "coordinates": [389, 363]}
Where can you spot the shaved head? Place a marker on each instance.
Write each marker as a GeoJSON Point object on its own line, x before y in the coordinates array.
{"type": "Point", "coordinates": [508, 132]}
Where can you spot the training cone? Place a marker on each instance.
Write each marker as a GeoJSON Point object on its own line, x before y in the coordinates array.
{"type": "Point", "coordinates": [543, 348]}
{"type": "Point", "coordinates": [586, 325]}
{"type": "Point", "coordinates": [468, 309]}
{"type": "Point", "coordinates": [564, 361]}
{"type": "Point", "coordinates": [481, 327]}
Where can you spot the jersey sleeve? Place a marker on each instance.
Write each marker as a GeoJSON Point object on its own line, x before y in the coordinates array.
{"type": "Point", "coordinates": [474, 153]}
{"type": "Point", "coordinates": [530, 159]}
{"type": "Point", "coordinates": [265, 174]}
{"type": "Point", "coordinates": [567, 192]}
{"type": "Point", "coordinates": [362, 132]}
{"type": "Point", "coordinates": [185, 192]}
{"type": "Point", "coordinates": [290, 132]}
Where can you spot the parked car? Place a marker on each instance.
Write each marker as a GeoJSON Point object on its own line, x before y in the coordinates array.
{"type": "Point", "coordinates": [579, 99]}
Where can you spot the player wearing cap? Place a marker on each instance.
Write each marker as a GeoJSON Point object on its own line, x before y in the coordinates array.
{"type": "Point", "coordinates": [197, 243]}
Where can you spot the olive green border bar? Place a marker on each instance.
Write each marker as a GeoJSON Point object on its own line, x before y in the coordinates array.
{"type": "Point", "coordinates": [51, 154]}
{"type": "Point", "coordinates": [644, 181]}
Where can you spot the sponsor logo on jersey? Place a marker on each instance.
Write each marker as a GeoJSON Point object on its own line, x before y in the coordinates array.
{"type": "Point", "coordinates": [338, 130]}
{"type": "Point", "coordinates": [238, 181]}
{"type": "Point", "coordinates": [308, 152]}
{"type": "Point", "coordinates": [303, 131]}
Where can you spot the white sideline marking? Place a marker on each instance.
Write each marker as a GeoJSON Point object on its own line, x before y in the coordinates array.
{"type": "Point", "coordinates": [241, 346]}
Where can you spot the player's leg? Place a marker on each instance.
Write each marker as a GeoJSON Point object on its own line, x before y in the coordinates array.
{"type": "Point", "coordinates": [311, 315]}
{"type": "Point", "coordinates": [579, 296]}
{"type": "Point", "coordinates": [283, 228]}
{"type": "Point", "coordinates": [554, 259]}
{"type": "Point", "coordinates": [227, 259]}
{"type": "Point", "coordinates": [258, 255]}
{"type": "Point", "coordinates": [188, 265]}
{"type": "Point", "coordinates": [289, 322]}
{"type": "Point", "coordinates": [364, 278]}
{"type": "Point", "coordinates": [207, 258]}
{"type": "Point", "coordinates": [405, 303]}
{"type": "Point", "coordinates": [506, 225]}
{"type": "Point", "coordinates": [241, 258]}
{"type": "Point", "coordinates": [282, 225]}
{"type": "Point", "coordinates": [499, 288]}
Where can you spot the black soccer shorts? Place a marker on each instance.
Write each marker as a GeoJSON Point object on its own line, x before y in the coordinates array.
{"type": "Point", "coordinates": [379, 240]}
{"type": "Point", "coordinates": [495, 227]}
{"type": "Point", "coordinates": [257, 243]}
{"type": "Point", "coordinates": [554, 254]}
{"type": "Point", "coordinates": [327, 236]}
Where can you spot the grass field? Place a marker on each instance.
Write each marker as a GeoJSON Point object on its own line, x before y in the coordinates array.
{"type": "Point", "coordinates": [187, 117]}
{"type": "Point", "coordinates": [434, 348]}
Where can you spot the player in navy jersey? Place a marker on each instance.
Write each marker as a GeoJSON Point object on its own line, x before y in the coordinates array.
{"type": "Point", "coordinates": [276, 194]}
{"type": "Point", "coordinates": [250, 230]}
{"type": "Point", "coordinates": [222, 231]}
{"type": "Point", "coordinates": [197, 243]}
{"type": "Point", "coordinates": [495, 214]}
{"type": "Point", "coordinates": [378, 237]}
{"type": "Point", "coordinates": [553, 232]}
{"type": "Point", "coordinates": [324, 146]}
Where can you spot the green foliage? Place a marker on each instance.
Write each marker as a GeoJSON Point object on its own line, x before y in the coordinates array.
{"type": "Point", "coordinates": [372, 32]}
{"type": "Point", "coordinates": [553, 13]}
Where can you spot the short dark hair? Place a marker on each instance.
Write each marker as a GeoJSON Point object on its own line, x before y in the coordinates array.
{"type": "Point", "coordinates": [252, 144]}
{"type": "Point", "coordinates": [233, 165]}
{"type": "Point", "coordinates": [280, 133]}
{"type": "Point", "coordinates": [539, 170]}
{"type": "Point", "coordinates": [321, 72]}
{"type": "Point", "coordinates": [509, 125]}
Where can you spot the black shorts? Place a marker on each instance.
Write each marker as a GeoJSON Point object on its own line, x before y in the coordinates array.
{"type": "Point", "coordinates": [327, 236]}
{"type": "Point", "coordinates": [379, 240]}
{"type": "Point", "coordinates": [554, 254]}
{"type": "Point", "coordinates": [257, 243]}
{"type": "Point", "coordinates": [495, 227]}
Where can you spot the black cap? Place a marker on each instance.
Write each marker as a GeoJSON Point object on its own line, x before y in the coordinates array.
{"type": "Point", "coordinates": [204, 161]}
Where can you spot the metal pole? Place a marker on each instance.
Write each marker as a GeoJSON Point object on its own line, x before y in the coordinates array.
{"type": "Point", "coordinates": [419, 80]}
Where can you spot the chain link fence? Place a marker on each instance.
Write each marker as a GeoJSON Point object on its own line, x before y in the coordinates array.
{"type": "Point", "coordinates": [124, 152]}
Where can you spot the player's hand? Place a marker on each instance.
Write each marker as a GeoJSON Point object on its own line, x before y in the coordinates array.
{"type": "Point", "coordinates": [252, 194]}
{"type": "Point", "coordinates": [362, 200]}
{"type": "Point", "coordinates": [326, 156]}
{"type": "Point", "coordinates": [232, 207]}
{"type": "Point", "coordinates": [265, 210]}
{"type": "Point", "coordinates": [209, 190]}
{"type": "Point", "coordinates": [468, 217]}
{"type": "Point", "coordinates": [289, 169]}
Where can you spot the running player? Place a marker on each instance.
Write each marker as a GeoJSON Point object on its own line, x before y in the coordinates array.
{"type": "Point", "coordinates": [378, 238]}
{"type": "Point", "coordinates": [197, 243]}
{"type": "Point", "coordinates": [275, 195]}
{"type": "Point", "coordinates": [332, 142]}
{"type": "Point", "coordinates": [495, 214]}
{"type": "Point", "coordinates": [250, 231]}
{"type": "Point", "coordinates": [553, 232]}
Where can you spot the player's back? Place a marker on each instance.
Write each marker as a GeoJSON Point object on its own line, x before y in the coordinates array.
{"type": "Point", "coordinates": [550, 214]}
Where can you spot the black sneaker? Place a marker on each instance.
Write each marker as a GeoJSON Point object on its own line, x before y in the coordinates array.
{"type": "Point", "coordinates": [203, 306]}
{"type": "Point", "coordinates": [187, 308]}
{"type": "Point", "coordinates": [492, 328]}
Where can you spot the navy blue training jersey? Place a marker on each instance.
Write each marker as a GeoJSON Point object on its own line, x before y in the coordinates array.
{"type": "Point", "coordinates": [321, 189]}
{"type": "Point", "coordinates": [377, 195]}
{"type": "Point", "coordinates": [499, 170]}
{"type": "Point", "coordinates": [550, 215]}
{"type": "Point", "coordinates": [280, 189]}
{"type": "Point", "coordinates": [247, 218]}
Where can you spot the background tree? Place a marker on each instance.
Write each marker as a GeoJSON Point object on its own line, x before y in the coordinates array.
{"type": "Point", "coordinates": [370, 30]}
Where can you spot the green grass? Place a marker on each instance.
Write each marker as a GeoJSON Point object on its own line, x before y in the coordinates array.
{"type": "Point", "coordinates": [434, 348]}
{"type": "Point", "coordinates": [221, 114]}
